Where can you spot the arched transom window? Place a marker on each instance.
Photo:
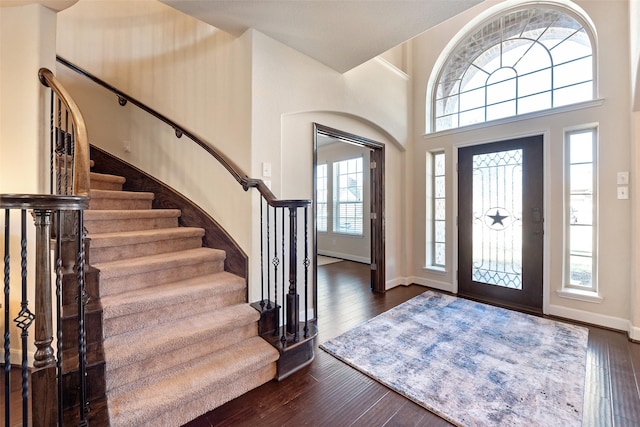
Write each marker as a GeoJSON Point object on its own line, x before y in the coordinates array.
{"type": "Point", "coordinates": [525, 60]}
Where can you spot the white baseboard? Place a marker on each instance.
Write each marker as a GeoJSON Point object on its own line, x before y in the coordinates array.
{"type": "Point", "coordinates": [398, 281]}
{"type": "Point", "coordinates": [592, 318]}
{"type": "Point", "coordinates": [349, 257]}
{"type": "Point", "coordinates": [435, 284]}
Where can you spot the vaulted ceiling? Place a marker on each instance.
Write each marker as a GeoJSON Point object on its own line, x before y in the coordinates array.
{"type": "Point", "coordinates": [341, 34]}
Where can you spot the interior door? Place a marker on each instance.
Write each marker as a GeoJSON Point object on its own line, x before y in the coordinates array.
{"type": "Point", "coordinates": [500, 223]}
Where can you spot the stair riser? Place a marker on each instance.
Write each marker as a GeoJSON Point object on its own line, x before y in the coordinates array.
{"type": "Point", "coordinates": [133, 322]}
{"type": "Point", "coordinates": [158, 366]}
{"type": "Point", "coordinates": [117, 285]}
{"type": "Point", "coordinates": [95, 385]}
{"type": "Point", "coordinates": [114, 253]}
{"type": "Point", "coordinates": [133, 224]}
{"type": "Point", "coordinates": [93, 330]}
{"type": "Point", "coordinates": [70, 287]}
{"type": "Point", "coordinates": [119, 204]}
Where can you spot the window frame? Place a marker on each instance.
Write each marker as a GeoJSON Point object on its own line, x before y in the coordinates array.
{"type": "Point", "coordinates": [432, 198]}
{"type": "Point", "coordinates": [319, 201]}
{"type": "Point", "coordinates": [337, 203]}
{"type": "Point", "coordinates": [463, 42]}
{"type": "Point", "coordinates": [567, 287]}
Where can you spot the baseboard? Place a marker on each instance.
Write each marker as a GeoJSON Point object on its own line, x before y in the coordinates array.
{"type": "Point", "coordinates": [349, 257]}
{"type": "Point", "coordinates": [435, 284]}
{"type": "Point", "coordinates": [593, 318]}
{"type": "Point", "coordinates": [398, 281]}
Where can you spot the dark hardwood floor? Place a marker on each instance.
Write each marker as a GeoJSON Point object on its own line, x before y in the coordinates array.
{"type": "Point", "coordinates": [330, 393]}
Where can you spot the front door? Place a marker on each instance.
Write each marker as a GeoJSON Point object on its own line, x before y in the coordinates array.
{"type": "Point", "coordinates": [500, 223]}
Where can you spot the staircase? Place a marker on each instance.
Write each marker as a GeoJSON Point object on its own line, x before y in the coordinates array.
{"type": "Point", "coordinates": [179, 338]}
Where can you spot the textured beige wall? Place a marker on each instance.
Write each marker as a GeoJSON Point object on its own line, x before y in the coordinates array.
{"type": "Point", "coordinates": [23, 130]}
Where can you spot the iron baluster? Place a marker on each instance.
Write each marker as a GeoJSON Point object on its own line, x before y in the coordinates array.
{"type": "Point", "coordinates": [261, 256]}
{"type": "Point", "coordinates": [24, 318]}
{"type": "Point", "coordinates": [7, 335]}
{"type": "Point", "coordinates": [276, 261]}
{"type": "Point", "coordinates": [292, 296]}
{"type": "Point", "coordinates": [307, 262]}
{"type": "Point", "coordinates": [268, 266]}
{"type": "Point", "coordinates": [58, 264]}
{"type": "Point", "coordinates": [82, 302]}
{"type": "Point", "coordinates": [283, 338]}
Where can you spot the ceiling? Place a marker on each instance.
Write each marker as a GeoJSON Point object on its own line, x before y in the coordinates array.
{"type": "Point", "coordinates": [341, 34]}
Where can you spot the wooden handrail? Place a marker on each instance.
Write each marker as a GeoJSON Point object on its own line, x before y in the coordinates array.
{"type": "Point", "coordinates": [238, 174]}
{"type": "Point", "coordinates": [81, 149]}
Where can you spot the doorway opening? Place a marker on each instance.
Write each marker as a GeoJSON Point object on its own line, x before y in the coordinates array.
{"type": "Point", "coordinates": [346, 212]}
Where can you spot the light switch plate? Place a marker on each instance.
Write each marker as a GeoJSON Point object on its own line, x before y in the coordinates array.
{"type": "Point", "coordinates": [623, 178]}
{"type": "Point", "coordinates": [266, 169]}
{"type": "Point", "coordinates": [623, 193]}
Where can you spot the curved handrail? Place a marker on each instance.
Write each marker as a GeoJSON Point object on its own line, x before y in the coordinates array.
{"type": "Point", "coordinates": [81, 151]}
{"type": "Point", "coordinates": [238, 174]}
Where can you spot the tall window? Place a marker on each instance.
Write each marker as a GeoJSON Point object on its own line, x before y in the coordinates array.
{"type": "Point", "coordinates": [438, 223]}
{"type": "Point", "coordinates": [526, 60]}
{"type": "Point", "coordinates": [347, 196]}
{"type": "Point", "coordinates": [321, 197]}
{"type": "Point", "coordinates": [580, 212]}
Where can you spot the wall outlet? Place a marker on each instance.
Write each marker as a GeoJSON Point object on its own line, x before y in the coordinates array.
{"type": "Point", "coordinates": [623, 193]}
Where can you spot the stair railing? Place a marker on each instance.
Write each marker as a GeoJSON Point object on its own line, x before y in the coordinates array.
{"type": "Point", "coordinates": [58, 222]}
{"type": "Point", "coordinates": [280, 243]}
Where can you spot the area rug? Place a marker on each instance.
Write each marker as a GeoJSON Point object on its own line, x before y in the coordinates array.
{"type": "Point", "coordinates": [471, 363]}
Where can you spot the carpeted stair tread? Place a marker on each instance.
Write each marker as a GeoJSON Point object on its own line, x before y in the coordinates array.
{"type": "Point", "coordinates": [132, 347]}
{"type": "Point", "coordinates": [210, 376]}
{"type": "Point", "coordinates": [165, 261]}
{"type": "Point", "coordinates": [101, 181]}
{"type": "Point", "coordinates": [116, 199]}
{"type": "Point", "coordinates": [120, 245]}
{"type": "Point", "coordinates": [102, 240]}
{"type": "Point", "coordinates": [122, 214]}
{"type": "Point", "coordinates": [109, 220]}
{"type": "Point", "coordinates": [170, 294]}
{"type": "Point", "coordinates": [168, 303]}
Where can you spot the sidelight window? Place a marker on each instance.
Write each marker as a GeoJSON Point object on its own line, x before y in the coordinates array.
{"type": "Point", "coordinates": [580, 210]}
{"type": "Point", "coordinates": [436, 252]}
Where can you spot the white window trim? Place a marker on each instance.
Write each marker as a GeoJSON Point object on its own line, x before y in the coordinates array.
{"type": "Point", "coordinates": [568, 290]}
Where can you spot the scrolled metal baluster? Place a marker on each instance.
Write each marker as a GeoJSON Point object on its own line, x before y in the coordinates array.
{"type": "Point", "coordinates": [283, 338]}
{"type": "Point", "coordinates": [83, 299]}
{"type": "Point", "coordinates": [307, 262]}
{"type": "Point", "coordinates": [275, 263]}
{"type": "Point", "coordinates": [7, 334]}
{"type": "Point", "coordinates": [58, 264]}
{"type": "Point", "coordinates": [268, 266]}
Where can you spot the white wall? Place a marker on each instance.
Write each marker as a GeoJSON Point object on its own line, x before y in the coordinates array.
{"type": "Point", "coordinates": [612, 117]}
{"type": "Point", "coordinates": [340, 245]}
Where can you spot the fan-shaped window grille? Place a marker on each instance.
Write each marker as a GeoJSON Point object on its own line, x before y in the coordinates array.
{"type": "Point", "coordinates": [522, 61]}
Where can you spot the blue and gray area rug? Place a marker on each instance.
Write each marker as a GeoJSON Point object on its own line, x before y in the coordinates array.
{"type": "Point", "coordinates": [471, 363]}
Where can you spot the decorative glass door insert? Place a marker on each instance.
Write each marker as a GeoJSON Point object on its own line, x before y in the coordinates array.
{"type": "Point", "coordinates": [497, 218]}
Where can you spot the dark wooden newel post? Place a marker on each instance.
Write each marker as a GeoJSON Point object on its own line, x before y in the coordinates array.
{"type": "Point", "coordinates": [292, 295]}
{"type": "Point", "coordinates": [43, 376]}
